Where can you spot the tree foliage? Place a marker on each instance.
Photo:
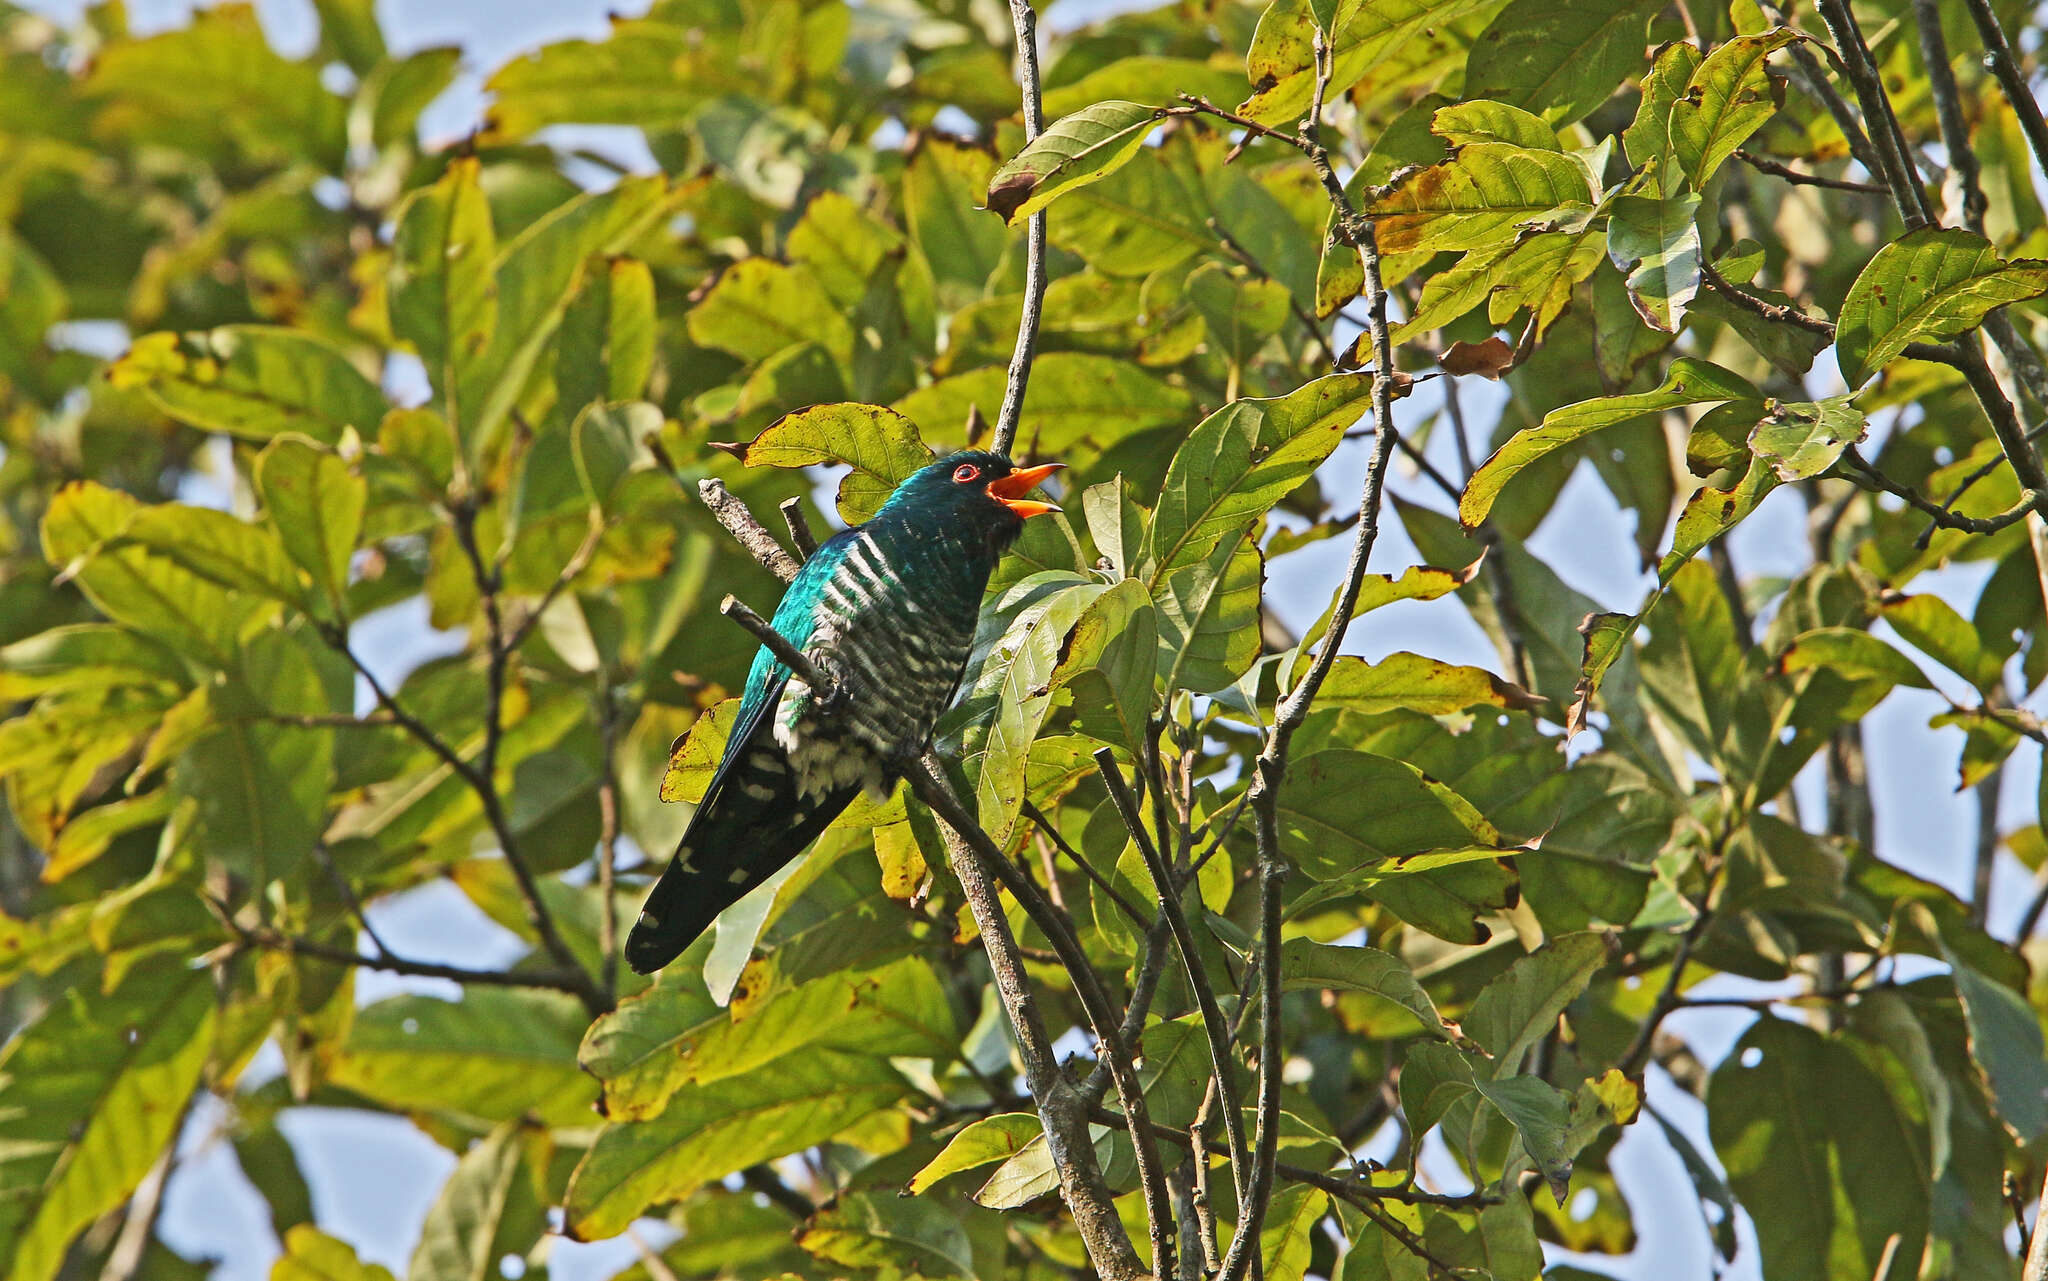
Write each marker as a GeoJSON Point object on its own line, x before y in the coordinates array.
{"type": "Point", "coordinates": [1303, 908]}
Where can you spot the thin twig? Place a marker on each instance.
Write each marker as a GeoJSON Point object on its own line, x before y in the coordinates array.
{"type": "Point", "coordinates": [1356, 1191]}
{"type": "Point", "coordinates": [1191, 963]}
{"type": "Point", "coordinates": [800, 535]}
{"type": "Point", "coordinates": [1271, 766]}
{"type": "Point", "coordinates": [1886, 138]}
{"type": "Point", "coordinates": [271, 940]}
{"type": "Point", "coordinates": [1779, 169]}
{"type": "Point", "coordinates": [1060, 843]}
{"type": "Point", "coordinates": [2005, 68]}
{"type": "Point", "coordinates": [1024, 21]}
{"type": "Point", "coordinates": [1948, 110]}
{"type": "Point", "coordinates": [485, 787]}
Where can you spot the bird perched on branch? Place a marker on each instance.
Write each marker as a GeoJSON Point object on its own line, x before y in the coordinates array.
{"type": "Point", "coordinates": [886, 612]}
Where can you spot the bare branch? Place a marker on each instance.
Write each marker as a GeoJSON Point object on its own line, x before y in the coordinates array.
{"type": "Point", "coordinates": [740, 523]}
{"type": "Point", "coordinates": [1854, 468]}
{"type": "Point", "coordinates": [1886, 138]}
{"type": "Point", "coordinates": [1779, 169]}
{"type": "Point", "coordinates": [800, 535]}
{"type": "Point", "coordinates": [1998, 56]}
{"type": "Point", "coordinates": [484, 785]}
{"type": "Point", "coordinates": [1948, 109]}
{"type": "Point", "coordinates": [1191, 963]}
{"type": "Point", "coordinates": [272, 940]}
{"type": "Point", "coordinates": [1025, 22]}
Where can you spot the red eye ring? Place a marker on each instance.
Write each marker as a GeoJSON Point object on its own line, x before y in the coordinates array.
{"type": "Point", "coordinates": [966, 472]}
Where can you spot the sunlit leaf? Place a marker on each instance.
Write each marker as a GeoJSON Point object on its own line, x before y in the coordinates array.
{"type": "Point", "coordinates": [881, 447]}
{"type": "Point", "coordinates": [712, 1131]}
{"type": "Point", "coordinates": [1074, 151]}
{"type": "Point", "coordinates": [91, 1092]}
{"type": "Point", "coordinates": [253, 381]}
{"type": "Point", "coordinates": [1928, 285]}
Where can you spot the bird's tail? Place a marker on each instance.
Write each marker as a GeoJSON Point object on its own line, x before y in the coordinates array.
{"type": "Point", "coordinates": [742, 834]}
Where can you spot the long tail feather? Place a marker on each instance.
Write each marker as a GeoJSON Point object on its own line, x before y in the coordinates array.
{"type": "Point", "coordinates": [742, 834]}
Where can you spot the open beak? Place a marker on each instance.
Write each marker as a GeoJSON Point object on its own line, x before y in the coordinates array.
{"type": "Point", "coordinates": [1010, 489]}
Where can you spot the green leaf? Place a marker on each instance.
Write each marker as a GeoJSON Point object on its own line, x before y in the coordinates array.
{"type": "Point", "coordinates": [87, 656]}
{"type": "Point", "coordinates": [1657, 242]}
{"type": "Point", "coordinates": [1520, 1007]}
{"type": "Point", "coordinates": [1139, 220]}
{"type": "Point", "coordinates": [1539, 1114]}
{"type": "Point", "coordinates": [1801, 441]}
{"type": "Point", "coordinates": [942, 188]}
{"type": "Point", "coordinates": [1241, 460]}
{"type": "Point", "coordinates": [1928, 285]}
{"type": "Point", "coordinates": [900, 1237]}
{"type": "Point", "coordinates": [760, 306]}
{"type": "Point", "coordinates": [2006, 1048]}
{"type": "Point", "coordinates": [1558, 59]}
{"type": "Point", "coordinates": [1009, 691]}
{"type": "Point", "coordinates": [1289, 1234]}
{"type": "Point", "coordinates": [312, 1255]}
{"type": "Point", "coordinates": [1479, 198]}
{"type": "Point", "coordinates": [880, 445]}
{"type": "Point", "coordinates": [1727, 98]}
{"type": "Point", "coordinates": [252, 381]}
{"type": "Point", "coordinates": [134, 586]}
{"type": "Point", "coordinates": [1412, 681]}
{"type": "Point", "coordinates": [1109, 664]}
{"type": "Point", "coordinates": [607, 347]}
{"type": "Point", "coordinates": [1073, 396]}
{"type": "Point", "coordinates": [1371, 35]}
{"type": "Point", "coordinates": [1647, 141]}
{"type": "Point", "coordinates": [1308, 964]}
{"type": "Point", "coordinates": [991, 1139]}
{"type": "Point", "coordinates": [605, 441]}
{"type": "Point", "coordinates": [714, 1130]}
{"type": "Point", "coordinates": [1689, 382]}
{"type": "Point", "coordinates": [1074, 151]}
{"type": "Point", "coordinates": [1826, 1186]}
{"type": "Point", "coordinates": [493, 1056]}
{"type": "Point", "coordinates": [1853, 655]}
{"type": "Point", "coordinates": [652, 74]}
{"type": "Point", "coordinates": [1481, 120]}
{"type": "Point", "coordinates": [90, 1094]}
{"type": "Point", "coordinates": [218, 547]}
{"type": "Point", "coordinates": [1208, 618]}
{"type": "Point", "coordinates": [316, 503]}
{"type": "Point", "coordinates": [1931, 625]}
{"type": "Point", "coordinates": [460, 1240]}
{"type": "Point", "coordinates": [537, 276]}
{"type": "Point", "coordinates": [1340, 810]}
{"type": "Point", "coordinates": [442, 293]}
{"type": "Point", "coordinates": [673, 1037]}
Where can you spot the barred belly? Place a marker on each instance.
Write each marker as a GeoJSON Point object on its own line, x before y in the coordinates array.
{"type": "Point", "coordinates": [897, 661]}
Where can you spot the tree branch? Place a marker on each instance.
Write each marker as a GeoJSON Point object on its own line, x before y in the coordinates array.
{"type": "Point", "coordinates": [1191, 963]}
{"type": "Point", "coordinates": [1779, 169]}
{"type": "Point", "coordinates": [573, 983]}
{"type": "Point", "coordinates": [1025, 22]}
{"type": "Point", "coordinates": [800, 535]}
{"type": "Point", "coordinates": [484, 785]}
{"type": "Point", "coordinates": [1854, 468]}
{"type": "Point", "coordinates": [2006, 69]}
{"type": "Point", "coordinates": [740, 523]}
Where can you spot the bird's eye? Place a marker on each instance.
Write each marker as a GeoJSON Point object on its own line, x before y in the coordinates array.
{"type": "Point", "coordinates": [966, 472]}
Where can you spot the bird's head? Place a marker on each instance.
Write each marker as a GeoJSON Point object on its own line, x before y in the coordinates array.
{"type": "Point", "coordinates": [977, 488]}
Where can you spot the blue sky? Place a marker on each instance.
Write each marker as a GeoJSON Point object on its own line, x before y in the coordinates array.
{"type": "Point", "coordinates": [373, 1176]}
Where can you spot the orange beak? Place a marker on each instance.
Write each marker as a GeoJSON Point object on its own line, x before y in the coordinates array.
{"type": "Point", "coordinates": [1010, 489]}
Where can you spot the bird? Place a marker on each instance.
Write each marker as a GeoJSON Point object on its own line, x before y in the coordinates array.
{"type": "Point", "coordinates": [886, 612]}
